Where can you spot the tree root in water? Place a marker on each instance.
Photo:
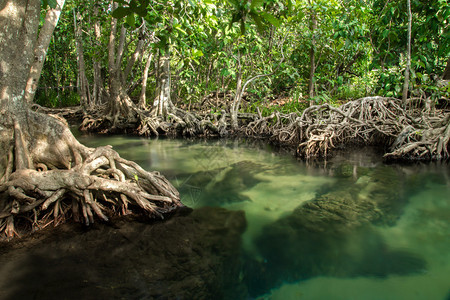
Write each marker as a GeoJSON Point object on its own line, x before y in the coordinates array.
{"type": "Point", "coordinates": [409, 134]}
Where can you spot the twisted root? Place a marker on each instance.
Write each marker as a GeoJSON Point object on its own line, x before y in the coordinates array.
{"type": "Point", "coordinates": [410, 134]}
{"type": "Point", "coordinates": [70, 180]}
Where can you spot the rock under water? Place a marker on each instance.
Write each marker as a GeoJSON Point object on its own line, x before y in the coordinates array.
{"type": "Point", "coordinates": [334, 235]}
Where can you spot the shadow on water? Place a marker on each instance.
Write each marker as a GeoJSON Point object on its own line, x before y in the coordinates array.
{"type": "Point", "coordinates": [193, 255]}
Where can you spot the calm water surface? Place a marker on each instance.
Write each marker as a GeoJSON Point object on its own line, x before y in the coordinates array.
{"type": "Point", "coordinates": [353, 228]}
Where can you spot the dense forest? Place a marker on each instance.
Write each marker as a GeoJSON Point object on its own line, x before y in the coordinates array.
{"type": "Point", "coordinates": [218, 67]}
{"type": "Point", "coordinates": [303, 51]}
{"type": "Point", "coordinates": [308, 74]}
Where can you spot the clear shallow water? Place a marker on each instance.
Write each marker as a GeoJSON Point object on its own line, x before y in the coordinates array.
{"type": "Point", "coordinates": [351, 229]}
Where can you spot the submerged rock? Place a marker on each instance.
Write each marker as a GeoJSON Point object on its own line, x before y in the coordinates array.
{"type": "Point", "coordinates": [334, 235]}
{"type": "Point", "coordinates": [190, 256]}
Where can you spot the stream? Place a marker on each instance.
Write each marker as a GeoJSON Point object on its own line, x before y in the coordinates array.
{"type": "Point", "coordinates": [259, 224]}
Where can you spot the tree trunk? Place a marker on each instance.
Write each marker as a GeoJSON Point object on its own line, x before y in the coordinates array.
{"type": "Point", "coordinates": [136, 55]}
{"type": "Point", "coordinates": [45, 35]}
{"type": "Point", "coordinates": [120, 107]}
{"type": "Point", "coordinates": [408, 56]}
{"type": "Point", "coordinates": [46, 175]}
{"type": "Point", "coordinates": [142, 100]}
{"type": "Point", "coordinates": [16, 50]}
{"type": "Point", "coordinates": [312, 55]}
{"type": "Point", "coordinates": [446, 75]}
{"type": "Point", "coordinates": [58, 79]}
{"type": "Point", "coordinates": [97, 89]}
{"type": "Point", "coordinates": [163, 103]}
{"type": "Point", "coordinates": [237, 97]}
{"type": "Point", "coordinates": [83, 84]}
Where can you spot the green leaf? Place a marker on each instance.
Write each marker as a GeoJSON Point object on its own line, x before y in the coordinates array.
{"type": "Point", "coordinates": [121, 12]}
{"type": "Point", "coordinates": [141, 11]}
{"type": "Point", "coordinates": [130, 20]}
{"type": "Point", "coordinates": [197, 53]}
{"type": "Point", "coordinates": [235, 3]}
{"type": "Point", "coordinates": [133, 4]}
{"type": "Point", "coordinates": [256, 4]}
{"type": "Point", "coordinates": [178, 27]}
{"type": "Point", "coordinates": [271, 19]}
{"type": "Point", "coordinates": [52, 3]}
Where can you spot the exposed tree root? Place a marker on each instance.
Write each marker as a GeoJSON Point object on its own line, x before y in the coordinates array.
{"type": "Point", "coordinates": [176, 122]}
{"type": "Point", "coordinates": [72, 114]}
{"type": "Point", "coordinates": [49, 177]}
{"type": "Point", "coordinates": [409, 134]}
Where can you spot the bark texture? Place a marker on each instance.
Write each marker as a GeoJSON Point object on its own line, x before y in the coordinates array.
{"type": "Point", "coordinates": [446, 75]}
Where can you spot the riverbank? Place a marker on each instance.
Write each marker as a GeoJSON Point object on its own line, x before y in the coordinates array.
{"type": "Point", "coordinates": [352, 222]}
{"type": "Point", "coordinates": [406, 134]}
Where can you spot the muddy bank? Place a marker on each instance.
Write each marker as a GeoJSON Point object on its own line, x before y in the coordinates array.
{"type": "Point", "coordinates": [193, 255]}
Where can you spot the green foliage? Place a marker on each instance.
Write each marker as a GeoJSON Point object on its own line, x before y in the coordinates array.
{"type": "Point", "coordinates": [359, 45]}
{"type": "Point", "coordinates": [131, 7]}
{"type": "Point", "coordinates": [54, 98]}
{"type": "Point", "coordinates": [49, 3]}
{"type": "Point", "coordinates": [254, 9]}
{"type": "Point", "coordinates": [430, 44]}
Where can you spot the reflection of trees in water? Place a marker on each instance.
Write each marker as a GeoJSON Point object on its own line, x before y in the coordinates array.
{"type": "Point", "coordinates": [219, 178]}
{"type": "Point", "coordinates": [222, 185]}
{"type": "Point", "coordinates": [209, 160]}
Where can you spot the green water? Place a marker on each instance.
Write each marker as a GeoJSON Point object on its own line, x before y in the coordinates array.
{"type": "Point", "coordinates": [353, 228]}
